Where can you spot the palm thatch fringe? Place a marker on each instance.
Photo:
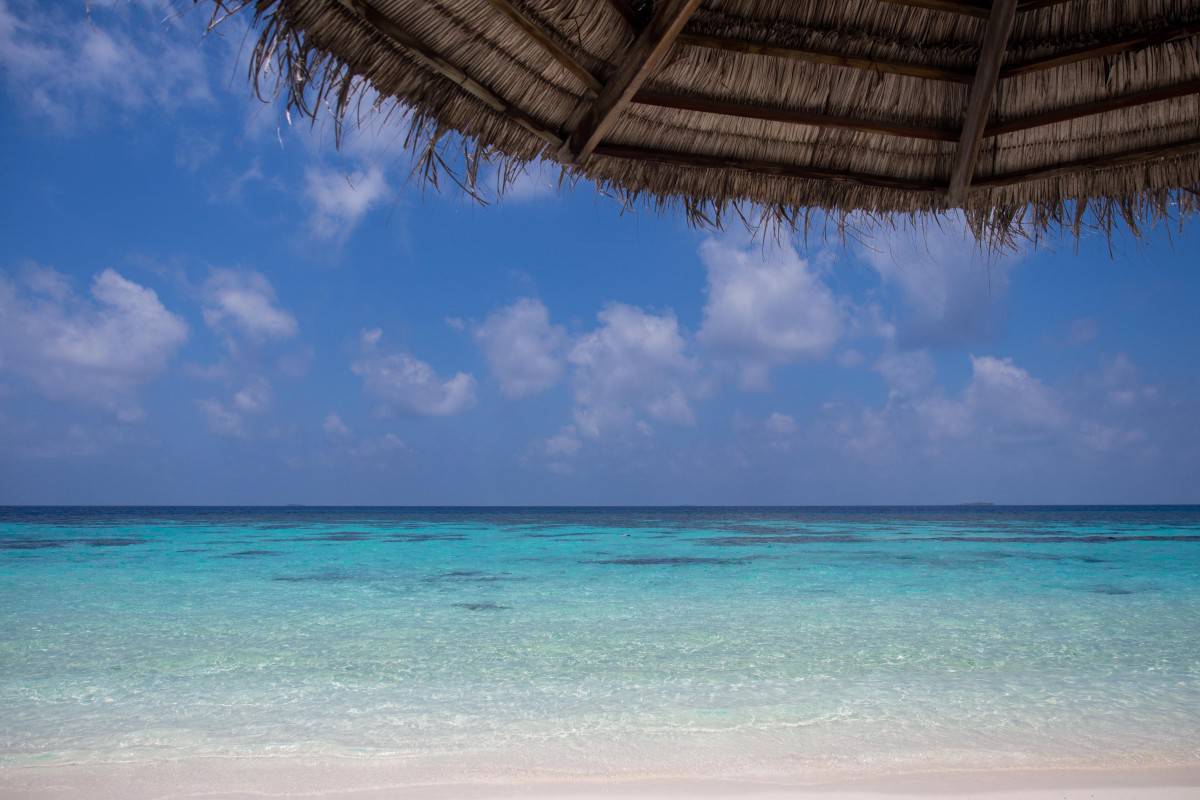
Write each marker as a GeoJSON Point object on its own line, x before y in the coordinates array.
{"type": "Point", "coordinates": [472, 87]}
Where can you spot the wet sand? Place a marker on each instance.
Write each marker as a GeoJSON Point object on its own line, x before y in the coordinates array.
{"type": "Point", "coordinates": [257, 778]}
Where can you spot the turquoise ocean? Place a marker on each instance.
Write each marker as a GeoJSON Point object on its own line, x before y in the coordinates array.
{"type": "Point", "coordinates": [706, 642]}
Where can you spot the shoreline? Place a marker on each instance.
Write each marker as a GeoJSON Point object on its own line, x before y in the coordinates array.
{"type": "Point", "coordinates": [221, 778]}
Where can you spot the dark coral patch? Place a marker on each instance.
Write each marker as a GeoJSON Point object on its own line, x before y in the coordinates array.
{"type": "Point", "coordinates": [471, 576]}
{"type": "Point", "coordinates": [31, 544]}
{"type": "Point", "coordinates": [670, 561]}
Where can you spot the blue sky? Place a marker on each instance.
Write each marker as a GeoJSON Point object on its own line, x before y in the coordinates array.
{"type": "Point", "coordinates": [200, 303]}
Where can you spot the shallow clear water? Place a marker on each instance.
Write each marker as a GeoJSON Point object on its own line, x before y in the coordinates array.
{"type": "Point", "coordinates": [604, 642]}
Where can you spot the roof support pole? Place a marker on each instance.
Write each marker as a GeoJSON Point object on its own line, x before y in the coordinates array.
{"type": "Point", "coordinates": [982, 97]}
{"type": "Point", "coordinates": [643, 58]}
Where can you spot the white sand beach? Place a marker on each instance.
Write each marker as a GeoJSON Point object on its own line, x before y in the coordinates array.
{"type": "Point", "coordinates": [252, 779]}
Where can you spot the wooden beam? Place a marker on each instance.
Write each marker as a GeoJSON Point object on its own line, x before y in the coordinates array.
{"type": "Point", "coordinates": [1095, 107]}
{"type": "Point", "coordinates": [643, 58]}
{"type": "Point", "coordinates": [1034, 5]}
{"type": "Point", "coordinates": [1127, 44]}
{"type": "Point", "coordinates": [707, 106]}
{"type": "Point", "coordinates": [980, 9]}
{"type": "Point", "coordinates": [699, 161]}
{"type": "Point", "coordinates": [826, 57]}
{"type": "Point", "coordinates": [432, 61]}
{"type": "Point", "coordinates": [1126, 158]}
{"type": "Point", "coordinates": [547, 42]}
{"type": "Point", "coordinates": [973, 9]}
{"type": "Point", "coordinates": [982, 97]}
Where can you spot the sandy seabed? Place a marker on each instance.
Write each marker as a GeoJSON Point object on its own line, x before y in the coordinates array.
{"type": "Point", "coordinates": [256, 779]}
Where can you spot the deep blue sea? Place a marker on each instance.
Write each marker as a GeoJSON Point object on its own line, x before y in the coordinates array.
{"type": "Point", "coordinates": [604, 642]}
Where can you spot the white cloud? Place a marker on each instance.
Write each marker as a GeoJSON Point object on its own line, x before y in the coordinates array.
{"type": "Point", "coordinates": [1107, 438]}
{"type": "Point", "coordinates": [908, 372]}
{"type": "Point", "coordinates": [781, 424]}
{"type": "Point", "coordinates": [633, 364]}
{"type": "Point", "coordinates": [1002, 395]}
{"type": "Point", "coordinates": [245, 302]}
{"type": "Point", "coordinates": [340, 201]}
{"type": "Point", "coordinates": [221, 420]}
{"type": "Point", "coordinates": [765, 307]}
{"type": "Point", "coordinates": [94, 351]}
{"type": "Point", "coordinates": [334, 427]}
{"type": "Point", "coordinates": [254, 397]}
{"type": "Point", "coordinates": [1119, 380]}
{"type": "Point", "coordinates": [951, 291]}
{"type": "Point", "coordinates": [1001, 405]}
{"type": "Point", "coordinates": [76, 63]}
{"type": "Point", "coordinates": [525, 352]}
{"type": "Point", "coordinates": [230, 419]}
{"type": "Point", "coordinates": [410, 385]}
{"type": "Point", "coordinates": [564, 443]}
{"type": "Point", "coordinates": [379, 447]}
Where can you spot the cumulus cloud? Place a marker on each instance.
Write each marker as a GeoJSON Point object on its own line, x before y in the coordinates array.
{"type": "Point", "coordinates": [951, 292]}
{"type": "Point", "coordinates": [404, 383]}
{"type": "Point", "coordinates": [1001, 404]}
{"type": "Point", "coordinates": [340, 201]}
{"type": "Point", "coordinates": [1006, 398]}
{"type": "Point", "coordinates": [231, 419]}
{"type": "Point", "coordinates": [334, 427]}
{"type": "Point", "coordinates": [765, 307]}
{"type": "Point", "coordinates": [245, 302]}
{"type": "Point", "coordinates": [524, 351]}
{"type": "Point", "coordinates": [633, 365]}
{"type": "Point", "coordinates": [221, 420]}
{"type": "Point", "coordinates": [908, 372]}
{"type": "Point", "coordinates": [96, 351]}
{"type": "Point", "coordinates": [1108, 438]}
{"type": "Point", "coordinates": [254, 397]}
{"type": "Point", "coordinates": [78, 63]}
{"type": "Point", "coordinates": [1119, 382]}
{"type": "Point", "coordinates": [564, 443]}
{"type": "Point", "coordinates": [781, 424]}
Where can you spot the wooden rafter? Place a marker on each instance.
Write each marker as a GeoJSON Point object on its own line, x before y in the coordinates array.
{"type": "Point", "coordinates": [1141, 155]}
{"type": "Point", "coordinates": [816, 56]}
{"type": "Point", "coordinates": [1125, 44]}
{"type": "Point", "coordinates": [435, 62]}
{"type": "Point", "coordinates": [972, 9]}
{"type": "Point", "coordinates": [547, 43]}
{"type": "Point", "coordinates": [699, 161]}
{"type": "Point", "coordinates": [643, 58]}
{"type": "Point", "coordinates": [793, 116]}
{"type": "Point", "coordinates": [1144, 155]}
{"type": "Point", "coordinates": [1069, 113]}
{"type": "Point", "coordinates": [980, 9]}
{"type": "Point", "coordinates": [982, 97]}
{"type": "Point", "coordinates": [1034, 5]}
{"type": "Point", "coordinates": [1128, 43]}
{"type": "Point", "coordinates": [426, 57]}
{"type": "Point", "coordinates": [400, 38]}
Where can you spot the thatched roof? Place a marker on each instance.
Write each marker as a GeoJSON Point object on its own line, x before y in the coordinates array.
{"type": "Point", "coordinates": [1030, 113]}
